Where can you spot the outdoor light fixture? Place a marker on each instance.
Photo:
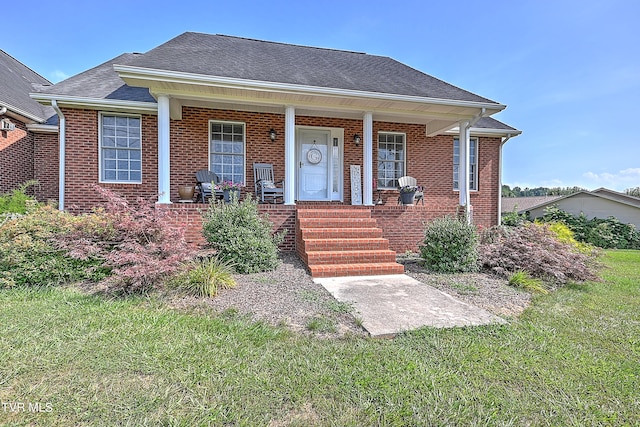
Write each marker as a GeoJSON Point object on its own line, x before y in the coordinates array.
{"type": "Point", "coordinates": [356, 139]}
{"type": "Point", "coordinates": [272, 134]}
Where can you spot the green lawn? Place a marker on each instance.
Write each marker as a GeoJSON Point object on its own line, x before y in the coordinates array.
{"type": "Point", "coordinates": [573, 358]}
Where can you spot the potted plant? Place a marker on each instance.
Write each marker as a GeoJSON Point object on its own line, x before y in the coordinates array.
{"type": "Point", "coordinates": [227, 187]}
{"type": "Point", "coordinates": [407, 193]}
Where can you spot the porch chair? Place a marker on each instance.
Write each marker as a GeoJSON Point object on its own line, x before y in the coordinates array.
{"type": "Point", "coordinates": [206, 180]}
{"type": "Point", "coordinates": [409, 180]}
{"type": "Point", "coordinates": [266, 187]}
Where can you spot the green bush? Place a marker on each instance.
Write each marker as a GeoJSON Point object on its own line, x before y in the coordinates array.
{"type": "Point", "coordinates": [513, 219]}
{"type": "Point", "coordinates": [204, 277]}
{"type": "Point", "coordinates": [607, 233]}
{"type": "Point", "coordinates": [17, 201]}
{"type": "Point", "coordinates": [242, 236]}
{"type": "Point", "coordinates": [30, 257]}
{"type": "Point", "coordinates": [450, 246]}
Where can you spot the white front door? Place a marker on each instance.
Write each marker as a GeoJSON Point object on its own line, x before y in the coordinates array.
{"type": "Point", "coordinates": [319, 165]}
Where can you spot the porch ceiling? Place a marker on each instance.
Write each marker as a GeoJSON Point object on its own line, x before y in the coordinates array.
{"type": "Point", "coordinates": [223, 93]}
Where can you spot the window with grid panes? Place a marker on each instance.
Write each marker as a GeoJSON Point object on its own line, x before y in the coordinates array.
{"type": "Point", "coordinates": [473, 163]}
{"type": "Point", "coordinates": [226, 151]}
{"type": "Point", "coordinates": [391, 159]}
{"type": "Point", "coordinates": [120, 149]}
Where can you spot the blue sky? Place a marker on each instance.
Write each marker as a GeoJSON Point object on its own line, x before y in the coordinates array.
{"type": "Point", "coordinates": [569, 71]}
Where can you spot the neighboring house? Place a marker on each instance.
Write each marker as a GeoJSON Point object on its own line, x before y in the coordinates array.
{"type": "Point", "coordinates": [601, 203]}
{"type": "Point", "coordinates": [143, 124]}
{"type": "Point", "coordinates": [522, 204]}
{"type": "Point", "coordinates": [25, 128]}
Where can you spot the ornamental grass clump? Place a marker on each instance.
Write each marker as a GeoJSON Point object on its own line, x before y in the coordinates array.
{"type": "Point", "coordinates": [241, 236]}
{"type": "Point", "coordinates": [204, 277]}
{"type": "Point", "coordinates": [534, 248]}
{"type": "Point", "coordinates": [450, 246]}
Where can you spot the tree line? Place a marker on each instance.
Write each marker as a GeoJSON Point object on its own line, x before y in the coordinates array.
{"type": "Point", "coordinates": [538, 191]}
{"type": "Point", "coordinates": [516, 191]}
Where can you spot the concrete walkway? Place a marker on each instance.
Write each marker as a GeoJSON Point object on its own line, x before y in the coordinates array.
{"type": "Point", "coordinates": [396, 303]}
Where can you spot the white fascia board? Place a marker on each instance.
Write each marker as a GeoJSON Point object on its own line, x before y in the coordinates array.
{"type": "Point", "coordinates": [11, 110]}
{"type": "Point", "coordinates": [126, 71]}
{"type": "Point", "coordinates": [38, 128]}
{"type": "Point", "coordinates": [96, 103]}
{"type": "Point", "coordinates": [487, 131]}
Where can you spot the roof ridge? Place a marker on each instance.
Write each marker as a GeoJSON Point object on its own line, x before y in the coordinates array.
{"type": "Point", "coordinates": [26, 66]}
{"type": "Point", "coordinates": [288, 44]}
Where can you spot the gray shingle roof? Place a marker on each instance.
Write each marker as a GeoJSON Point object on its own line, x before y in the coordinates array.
{"type": "Point", "coordinates": [491, 123]}
{"type": "Point", "coordinates": [16, 82]}
{"type": "Point", "coordinates": [523, 204]}
{"type": "Point", "coordinates": [102, 82]}
{"type": "Point", "coordinates": [235, 57]}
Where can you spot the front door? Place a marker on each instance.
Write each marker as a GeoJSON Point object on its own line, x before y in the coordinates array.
{"type": "Point", "coordinates": [317, 159]}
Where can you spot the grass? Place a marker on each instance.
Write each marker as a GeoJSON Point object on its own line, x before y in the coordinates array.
{"type": "Point", "coordinates": [571, 359]}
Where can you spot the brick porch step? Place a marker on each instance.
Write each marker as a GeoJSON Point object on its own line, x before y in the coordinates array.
{"type": "Point", "coordinates": [350, 257]}
{"type": "Point", "coordinates": [375, 243]}
{"type": "Point", "coordinates": [343, 242]}
{"type": "Point", "coordinates": [341, 233]}
{"type": "Point", "coordinates": [366, 269]}
{"type": "Point", "coordinates": [333, 222]}
{"type": "Point", "coordinates": [333, 213]}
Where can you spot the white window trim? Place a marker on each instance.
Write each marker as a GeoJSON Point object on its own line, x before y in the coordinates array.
{"type": "Point", "coordinates": [475, 174]}
{"type": "Point", "coordinates": [100, 180]}
{"type": "Point", "coordinates": [244, 148]}
{"type": "Point", "coordinates": [404, 159]}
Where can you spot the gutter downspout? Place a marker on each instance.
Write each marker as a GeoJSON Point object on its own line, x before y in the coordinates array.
{"type": "Point", "coordinates": [500, 178]}
{"type": "Point", "coordinates": [61, 144]}
{"type": "Point", "coordinates": [465, 193]}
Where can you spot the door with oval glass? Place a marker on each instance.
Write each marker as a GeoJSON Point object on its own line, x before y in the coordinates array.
{"type": "Point", "coordinates": [314, 165]}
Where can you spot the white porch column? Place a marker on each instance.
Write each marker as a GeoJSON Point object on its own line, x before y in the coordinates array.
{"type": "Point", "coordinates": [463, 171]}
{"type": "Point", "coordinates": [367, 160]}
{"type": "Point", "coordinates": [164, 185]}
{"type": "Point", "coordinates": [289, 155]}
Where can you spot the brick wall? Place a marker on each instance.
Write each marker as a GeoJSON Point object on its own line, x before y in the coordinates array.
{"type": "Point", "coordinates": [189, 217]}
{"type": "Point", "coordinates": [45, 166]}
{"type": "Point", "coordinates": [429, 159]}
{"type": "Point", "coordinates": [16, 157]}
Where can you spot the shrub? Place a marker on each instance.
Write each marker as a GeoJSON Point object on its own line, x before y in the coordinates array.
{"type": "Point", "coordinates": [513, 219]}
{"type": "Point", "coordinates": [17, 201]}
{"type": "Point", "coordinates": [450, 246]}
{"type": "Point", "coordinates": [205, 277]}
{"type": "Point", "coordinates": [535, 249]}
{"type": "Point", "coordinates": [241, 235]}
{"type": "Point", "coordinates": [30, 257]}
{"type": "Point", "coordinates": [565, 235]}
{"type": "Point", "coordinates": [136, 240]}
{"type": "Point", "coordinates": [603, 233]}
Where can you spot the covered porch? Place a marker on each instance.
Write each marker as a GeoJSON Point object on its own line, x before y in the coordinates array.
{"type": "Point", "coordinates": [313, 136]}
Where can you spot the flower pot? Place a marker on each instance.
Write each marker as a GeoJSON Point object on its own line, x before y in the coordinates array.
{"type": "Point", "coordinates": [407, 198]}
{"type": "Point", "coordinates": [186, 192]}
{"type": "Point", "coordinates": [228, 197]}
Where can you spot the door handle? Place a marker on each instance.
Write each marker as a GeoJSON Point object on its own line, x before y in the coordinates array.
{"type": "Point", "coordinates": [301, 165]}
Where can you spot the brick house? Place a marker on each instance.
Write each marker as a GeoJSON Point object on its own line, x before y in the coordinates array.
{"type": "Point", "coordinates": [143, 124]}
{"type": "Point", "coordinates": [26, 127]}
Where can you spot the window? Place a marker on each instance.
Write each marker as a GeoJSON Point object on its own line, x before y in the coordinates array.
{"type": "Point", "coordinates": [120, 149]}
{"type": "Point", "coordinates": [391, 159]}
{"type": "Point", "coordinates": [473, 163]}
{"type": "Point", "coordinates": [226, 151]}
